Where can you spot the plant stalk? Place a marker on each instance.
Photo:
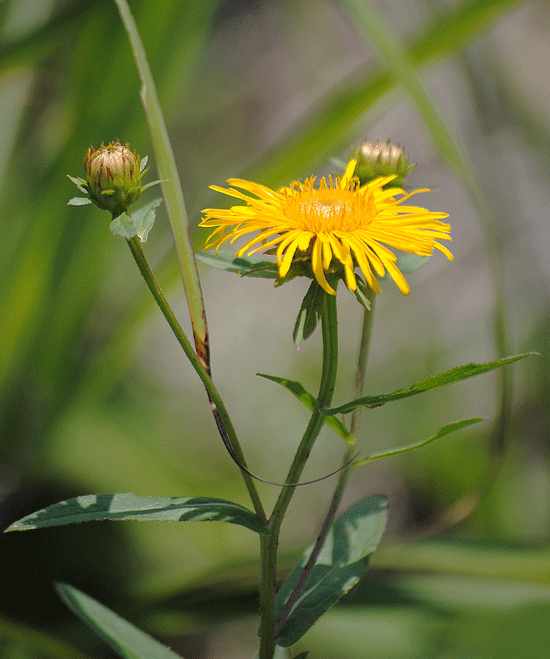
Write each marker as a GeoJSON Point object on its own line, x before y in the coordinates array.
{"type": "Point", "coordinates": [221, 416]}
{"type": "Point", "coordinates": [269, 544]}
{"type": "Point", "coordinates": [362, 358]}
{"type": "Point", "coordinates": [318, 546]}
{"type": "Point", "coordinates": [171, 187]}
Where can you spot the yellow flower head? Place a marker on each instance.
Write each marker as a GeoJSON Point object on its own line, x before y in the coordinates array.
{"type": "Point", "coordinates": [339, 225]}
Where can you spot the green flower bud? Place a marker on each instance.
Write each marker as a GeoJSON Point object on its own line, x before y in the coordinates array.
{"type": "Point", "coordinates": [113, 176]}
{"type": "Point", "coordinates": [376, 159]}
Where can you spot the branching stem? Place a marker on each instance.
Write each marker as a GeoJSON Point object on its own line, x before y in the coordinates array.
{"type": "Point", "coordinates": [221, 416]}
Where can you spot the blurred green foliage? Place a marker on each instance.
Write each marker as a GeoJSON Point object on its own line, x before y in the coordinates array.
{"type": "Point", "coordinates": [94, 396]}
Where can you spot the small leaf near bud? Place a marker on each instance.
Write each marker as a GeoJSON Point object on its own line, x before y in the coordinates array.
{"type": "Point", "coordinates": [376, 159]}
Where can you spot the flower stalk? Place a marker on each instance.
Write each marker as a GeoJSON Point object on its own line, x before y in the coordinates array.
{"type": "Point", "coordinates": [343, 478]}
{"type": "Point", "coordinates": [269, 544]}
{"type": "Point", "coordinates": [362, 358]}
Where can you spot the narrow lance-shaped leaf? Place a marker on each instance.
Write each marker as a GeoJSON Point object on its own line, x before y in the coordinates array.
{"type": "Point", "coordinates": [343, 560]}
{"type": "Point", "coordinates": [93, 507]}
{"type": "Point", "coordinates": [80, 184]}
{"type": "Point", "coordinates": [442, 432]}
{"type": "Point", "coordinates": [171, 185]}
{"type": "Point", "coordinates": [251, 266]}
{"type": "Point", "coordinates": [309, 314]}
{"type": "Point", "coordinates": [79, 201]}
{"type": "Point", "coordinates": [361, 293]}
{"type": "Point", "coordinates": [434, 382]}
{"type": "Point", "coordinates": [125, 639]}
{"type": "Point", "coordinates": [309, 401]}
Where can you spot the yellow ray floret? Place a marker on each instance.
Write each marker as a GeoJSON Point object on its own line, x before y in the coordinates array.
{"type": "Point", "coordinates": [338, 220]}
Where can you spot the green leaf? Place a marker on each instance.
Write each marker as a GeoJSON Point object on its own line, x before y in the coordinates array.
{"type": "Point", "coordinates": [79, 182]}
{"type": "Point", "coordinates": [168, 171]}
{"type": "Point", "coordinates": [79, 201]}
{"type": "Point", "coordinates": [252, 266]}
{"type": "Point", "coordinates": [410, 263]}
{"type": "Point", "coordinates": [124, 226]}
{"type": "Point", "coordinates": [309, 401]}
{"type": "Point", "coordinates": [442, 432]}
{"type": "Point", "coordinates": [151, 184]}
{"type": "Point", "coordinates": [309, 314]}
{"type": "Point", "coordinates": [342, 561]}
{"type": "Point", "coordinates": [125, 639]}
{"type": "Point", "coordinates": [504, 563]}
{"type": "Point", "coordinates": [92, 507]}
{"type": "Point", "coordinates": [138, 223]}
{"type": "Point", "coordinates": [145, 217]}
{"type": "Point", "coordinates": [361, 293]}
{"type": "Point", "coordinates": [434, 382]}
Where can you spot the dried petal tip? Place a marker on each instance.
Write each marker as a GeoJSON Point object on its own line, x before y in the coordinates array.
{"type": "Point", "coordinates": [376, 159]}
{"type": "Point", "coordinates": [113, 176]}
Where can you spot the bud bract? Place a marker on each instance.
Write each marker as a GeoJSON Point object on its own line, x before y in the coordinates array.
{"type": "Point", "coordinates": [376, 159]}
{"type": "Point", "coordinates": [113, 176]}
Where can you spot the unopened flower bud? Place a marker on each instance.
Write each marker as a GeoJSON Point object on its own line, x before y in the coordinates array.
{"type": "Point", "coordinates": [376, 159]}
{"type": "Point", "coordinates": [113, 176]}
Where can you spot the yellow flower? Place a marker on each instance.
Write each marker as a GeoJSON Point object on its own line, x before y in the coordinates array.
{"type": "Point", "coordinates": [338, 225]}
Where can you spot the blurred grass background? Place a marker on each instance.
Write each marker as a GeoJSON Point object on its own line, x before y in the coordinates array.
{"type": "Point", "coordinates": [95, 396]}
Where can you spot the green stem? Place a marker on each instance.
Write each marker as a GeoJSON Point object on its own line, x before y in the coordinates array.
{"type": "Point", "coordinates": [270, 543]}
{"type": "Point", "coordinates": [362, 358]}
{"type": "Point", "coordinates": [219, 411]}
{"type": "Point", "coordinates": [366, 333]}
{"type": "Point", "coordinates": [325, 528]}
{"type": "Point", "coordinates": [171, 187]}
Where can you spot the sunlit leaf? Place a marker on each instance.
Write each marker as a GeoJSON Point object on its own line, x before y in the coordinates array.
{"type": "Point", "coordinates": [92, 507]}
{"type": "Point", "coordinates": [309, 401]}
{"type": "Point", "coordinates": [125, 639]}
{"type": "Point", "coordinates": [343, 560]}
{"type": "Point", "coordinates": [442, 432]}
{"type": "Point", "coordinates": [138, 223]}
{"type": "Point", "coordinates": [79, 182]}
{"type": "Point", "coordinates": [79, 201]}
{"type": "Point", "coordinates": [434, 382]}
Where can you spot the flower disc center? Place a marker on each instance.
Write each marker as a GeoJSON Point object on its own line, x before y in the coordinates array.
{"type": "Point", "coordinates": [331, 212]}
